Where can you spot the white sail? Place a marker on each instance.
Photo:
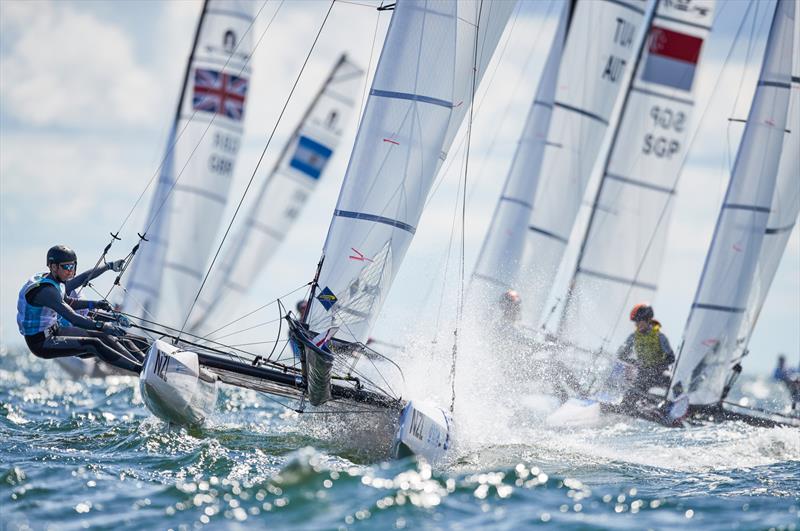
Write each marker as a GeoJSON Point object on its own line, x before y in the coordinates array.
{"type": "Point", "coordinates": [785, 207]}
{"type": "Point", "coordinates": [421, 92]}
{"type": "Point", "coordinates": [196, 179]}
{"type": "Point", "coordinates": [499, 259]}
{"type": "Point", "coordinates": [602, 44]}
{"type": "Point", "coordinates": [620, 257]}
{"type": "Point", "coordinates": [710, 337]}
{"type": "Point", "coordinates": [283, 194]}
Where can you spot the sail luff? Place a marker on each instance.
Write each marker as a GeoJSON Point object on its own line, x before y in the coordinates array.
{"type": "Point", "coordinates": [710, 336]}
{"type": "Point", "coordinates": [620, 255]}
{"type": "Point", "coordinates": [499, 258]}
{"type": "Point", "coordinates": [141, 294]}
{"type": "Point", "coordinates": [283, 193]}
{"type": "Point", "coordinates": [419, 97]}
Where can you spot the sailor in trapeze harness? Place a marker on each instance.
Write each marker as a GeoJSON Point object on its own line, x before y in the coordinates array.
{"type": "Point", "coordinates": [42, 300]}
{"type": "Point", "coordinates": [648, 350]}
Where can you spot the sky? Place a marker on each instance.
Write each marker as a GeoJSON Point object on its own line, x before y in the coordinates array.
{"type": "Point", "coordinates": [88, 91]}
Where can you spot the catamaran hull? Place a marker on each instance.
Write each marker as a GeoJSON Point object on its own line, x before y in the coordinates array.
{"type": "Point", "coordinates": [174, 386]}
{"type": "Point", "coordinates": [424, 430]}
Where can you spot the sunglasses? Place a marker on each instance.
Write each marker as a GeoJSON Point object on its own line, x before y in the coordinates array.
{"type": "Point", "coordinates": [68, 267]}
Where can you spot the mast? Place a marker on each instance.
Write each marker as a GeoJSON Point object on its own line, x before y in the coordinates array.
{"type": "Point", "coordinates": [619, 257]}
{"type": "Point", "coordinates": [295, 175]}
{"type": "Point", "coordinates": [710, 336]}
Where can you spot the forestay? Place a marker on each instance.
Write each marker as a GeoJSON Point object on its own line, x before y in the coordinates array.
{"type": "Point", "coordinates": [197, 178]}
{"type": "Point", "coordinates": [283, 193]}
{"type": "Point", "coordinates": [421, 92]}
{"type": "Point", "coordinates": [710, 337]}
{"type": "Point", "coordinates": [620, 257]}
{"type": "Point", "coordinates": [602, 44]}
{"type": "Point", "coordinates": [499, 259]}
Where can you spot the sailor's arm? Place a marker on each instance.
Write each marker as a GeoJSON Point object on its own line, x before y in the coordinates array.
{"type": "Point", "coordinates": [49, 297]}
{"type": "Point", "coordinates": [91, 274]}
{"type": "Point", "coordinates": [625, 351]}
{"type": "Point", "coordinates": [666, 348]}
{"type": "Point", "coordinates": [83, 304]}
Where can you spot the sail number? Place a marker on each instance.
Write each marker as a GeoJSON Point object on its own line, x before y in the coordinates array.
{"type": "Point", "coordinates": [226, 143]}
{"type": "Point", "coordinates": [162, 364]}
{"type": "Point", "coordinates": [664, 122]}
{"type": "Point", "coordinates": [624, 32]}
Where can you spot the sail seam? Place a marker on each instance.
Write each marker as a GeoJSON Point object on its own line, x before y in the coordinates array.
{"type": "Point", "coordinates": [230, 13]}
{"type": "Point", "coordinates": [487, 278]}
{"type": "Point", "coordinates": [778, 230]}
{"type": "Point", "coordinates": [753, 208]}
{"type": "Point", "coordinates": [717, 308]}
{"type": "Point", "coordinates": [776, 84]}
{"type": "Point", "coordinates": [659, 95]}
{"type": "Point", "coordinates": [412, 97]}
{"type": "Point", "coordinates": [377, 219]}
{"type": "Point", "coordinates": [547, 233]}
{"type": "Point", "coordinates": [679, 21]}
{"type": "Point", "coordinates": [229, 126]}
{"type": "Point", "coordinates": [627, 6]}
{"type": "Point", "coordinates": [242, 69]}
{"type": "Point", "coordinates": [184, 269]}
{"type": "Point", "coordinates": [517, 201]}
{"type": "Point", "coordinates": [202, 193]}
{"type": "Point", "coordinates": [543, 103]}
{"type": "Point", "coordinates": [641, 184]}
{"type": "Point", "coordinates": [581, 111]}
{"type": "Point", "coordinates": [620, 280]}
{"type": "Point", "coordinates": [795, 79]}
{"type": "Point", "coordinates": [264, 229]}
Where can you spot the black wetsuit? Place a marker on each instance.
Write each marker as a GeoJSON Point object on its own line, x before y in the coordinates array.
{"type": "Point", "coordinates": [83, 338]}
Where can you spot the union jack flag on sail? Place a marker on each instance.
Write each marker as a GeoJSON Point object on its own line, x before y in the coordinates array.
{"type": "Point", "coordinates": [219, 93]}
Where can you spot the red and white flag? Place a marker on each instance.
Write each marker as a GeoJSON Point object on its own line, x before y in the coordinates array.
{"type": "Point", "coordinates": [672, 58]}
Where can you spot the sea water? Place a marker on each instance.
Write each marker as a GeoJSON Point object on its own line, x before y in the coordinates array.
{"type": "Point", "coordinates": [87, 454]}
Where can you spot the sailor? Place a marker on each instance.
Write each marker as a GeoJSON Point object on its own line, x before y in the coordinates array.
{"type": "Point", "coordinates": [790, 378]}
{"type": "Point", "coordinates": [647, 349]}
{"type": "Point", "coordinates": [510, 303]}
{"type": "Point", "coordinates": [42, 300]}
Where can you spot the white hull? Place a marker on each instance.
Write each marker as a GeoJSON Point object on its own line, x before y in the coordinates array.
{"type": "Point", "coordinates": [424, 430]}
{"type": "Point", "coordinates": [174, 386]}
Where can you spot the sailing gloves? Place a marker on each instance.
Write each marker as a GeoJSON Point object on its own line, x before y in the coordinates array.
{"type": "Point", "coordinates": [116, 265]}
{"type": "Point", "coordinates": [103, 305]}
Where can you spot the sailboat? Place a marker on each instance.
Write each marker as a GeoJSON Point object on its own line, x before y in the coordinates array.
{"type": "Point", "coordinates": [750, 235]}
{"type": "Point", "coordinates": [291, 182]}
{"type": "Point", "coordinates": [748, 241]}
{"type": "Point", "coordinates": [197, 169]}
{"type": "Point", "coordinates": [434, 55]}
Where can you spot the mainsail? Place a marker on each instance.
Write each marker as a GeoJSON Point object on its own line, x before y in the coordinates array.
{"type": "Point", "coordinates": [192, 189]}
{"type": "Point", "coordinates": [283, 193]}
{"type": "Point", "coordinates": [422, 90]}
{"type": "Point", "coordinates": [602, 43]}
{"type": "Point", "coordinates": [620, 256]}
{"type": "Point", "coordinates": [498, 261]}
{"type": "Point", "coordinates": [710, 337]}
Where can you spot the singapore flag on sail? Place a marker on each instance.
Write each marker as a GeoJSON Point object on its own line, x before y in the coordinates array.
{"type": "Point", "coordinates": [219, 93]}
{"type": "Point", "coordinates": [672, 58]}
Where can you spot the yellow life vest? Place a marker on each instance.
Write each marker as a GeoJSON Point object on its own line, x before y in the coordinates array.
{"type": "Point", "coordinates": [648, 347]}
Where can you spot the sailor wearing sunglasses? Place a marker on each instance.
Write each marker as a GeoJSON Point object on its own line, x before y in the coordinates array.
{"type": "Point", "coordinates": [43, 299]}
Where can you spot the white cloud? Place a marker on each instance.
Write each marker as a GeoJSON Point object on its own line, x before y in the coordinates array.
{"type": "Point", "coordinates": [68, 67]}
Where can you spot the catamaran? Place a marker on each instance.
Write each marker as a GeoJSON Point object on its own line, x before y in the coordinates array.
{"type": "Point", "coordinates": [434, 55]}
{"type": "Point", "coordinates": [760, 208]}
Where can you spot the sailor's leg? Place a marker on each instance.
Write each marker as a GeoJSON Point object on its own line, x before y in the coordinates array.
{"type": "Point", "coordinates": [80, 341]}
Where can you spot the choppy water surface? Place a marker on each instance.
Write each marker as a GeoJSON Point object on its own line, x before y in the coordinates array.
{"type": "Point", "coordinates": [79, 454]}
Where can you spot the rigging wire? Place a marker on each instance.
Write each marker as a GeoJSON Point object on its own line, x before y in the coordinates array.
{"type": "Point", "coordinates": [460, 303]}
{"type": "Point", "coordinates": [255, 170]}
